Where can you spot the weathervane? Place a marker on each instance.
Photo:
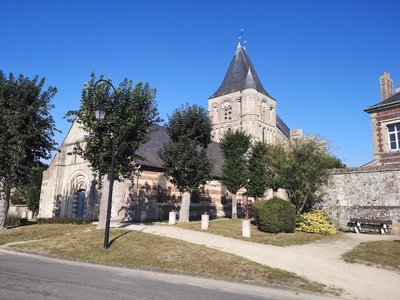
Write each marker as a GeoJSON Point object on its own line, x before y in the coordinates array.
{"type": "Point", "coordinates": [242, 37]}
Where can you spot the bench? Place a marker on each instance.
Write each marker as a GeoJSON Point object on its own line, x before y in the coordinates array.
{"type": "Point", "coordinates": [358, 224]}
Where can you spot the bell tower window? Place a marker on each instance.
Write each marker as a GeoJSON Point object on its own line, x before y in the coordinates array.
{"type": "Point", "coordinates": [228, 112]}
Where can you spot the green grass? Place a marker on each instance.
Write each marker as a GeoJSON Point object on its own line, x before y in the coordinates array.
{"type": "Point", "coordinates": [137, 249]}
{"type": "Point", "coordinates": [384, 254]}
{"type": "Point", "coordinates": [233, 228]}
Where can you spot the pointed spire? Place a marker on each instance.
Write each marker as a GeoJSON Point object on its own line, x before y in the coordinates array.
{"type": "Point", "coordinates": [240, 75]}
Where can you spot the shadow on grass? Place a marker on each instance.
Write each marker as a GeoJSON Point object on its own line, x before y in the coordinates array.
{"type": "Point", "coordinates": [117, 237]}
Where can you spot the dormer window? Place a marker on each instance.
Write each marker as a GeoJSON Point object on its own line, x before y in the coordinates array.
{"type": "Point", "coordinates": [394, 136]}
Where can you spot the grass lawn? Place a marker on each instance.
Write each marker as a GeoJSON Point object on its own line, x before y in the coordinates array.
{"type": "Point", "coordinates": [137, 249]}
{"type": "Point", "coordinates": [384, 254]}
{"type": "Point", "coordinates": [233, 228]}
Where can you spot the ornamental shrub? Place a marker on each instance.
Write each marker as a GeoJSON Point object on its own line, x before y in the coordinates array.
{"type": "Point", "coordinates": [275, 215]}
{"type": "Point", "coordinates": [316, 221]}
{"type": "Point", "coordinates": [64, 220]}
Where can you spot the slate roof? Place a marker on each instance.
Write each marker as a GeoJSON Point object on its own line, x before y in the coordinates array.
{"type": "Point", "coordinates": [241, 75]}
{"type": "Point", "coordinates": [160, 136]}
{"type": "Point", "coordinates": [387, 103]}
{"type": "Point", "coordinates": [282, 127]}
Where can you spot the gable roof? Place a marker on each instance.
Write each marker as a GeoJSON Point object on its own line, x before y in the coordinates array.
{"type": "Point", "coordinates": [387, 103]}
{"type": "Point", "coordinates": [240, 75]}
{"type": "Point", "coordinates": [158, 137]}
{"type": "Point", "coordinates": [282, 127]}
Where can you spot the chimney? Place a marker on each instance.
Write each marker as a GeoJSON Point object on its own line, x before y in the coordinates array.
{"type": "Point", "coordinates": [386, 86]}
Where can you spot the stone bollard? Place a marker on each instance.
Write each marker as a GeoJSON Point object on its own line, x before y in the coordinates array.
{"type": "Point", "coordinates": [204, 221]}
{"type": "Point", "coordinates": [246, 228]}
{"type": "Point", "coordinates": [172, 218]}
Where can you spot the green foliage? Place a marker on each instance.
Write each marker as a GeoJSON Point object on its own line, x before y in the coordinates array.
{"type": "Point", "coordinates": [316, 221]}
{"type": "Point", "coordinates": [77, 221]}
{"type": "Point", "coordinates": [258, 170]}
{"type": "Point", "coordinates": [29, 194]}
{"type": "Point", "coordinates": [135, 112]}
{"type": "Point", "coordinates": [26, 127]}
{"type": "Point", "coordinates": [275, 215]}
{"type": "Point", "coordinates": [13, 220]}
{"type": "Point", "coordinates": [277, 159]}
{"type": "Point", "coordinates": [234, 146]}
{"type": "Point", "coordinates": [301, 168]}
{"type": "Point", "coordinates": [26, 132]}
{"type": "Point", "coordinates": [185, 158]}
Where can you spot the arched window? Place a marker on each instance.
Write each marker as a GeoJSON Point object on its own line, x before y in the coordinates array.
{"type": "Point", "coordinates": [228, 112]}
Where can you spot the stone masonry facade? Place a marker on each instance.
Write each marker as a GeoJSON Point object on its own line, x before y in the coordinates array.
{"type": "Point", "coordinates": [372, 193]}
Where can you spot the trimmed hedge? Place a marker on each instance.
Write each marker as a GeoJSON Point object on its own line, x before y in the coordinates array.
{"type": "Point", "coordinates": [316, 221]}
{"type": "Point", "coordinates": [77, 221]}
{"type": "Point", "coordinates": [275, 215]}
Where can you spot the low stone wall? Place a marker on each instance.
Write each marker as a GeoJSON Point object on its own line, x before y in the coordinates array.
{"type": "Point", "coordinates": [21, 211]}
{"type": "Point", "coordinates": [372, 193]}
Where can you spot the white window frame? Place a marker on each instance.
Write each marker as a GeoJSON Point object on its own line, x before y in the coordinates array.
{"type": "Point", "coordinates": [396, 132]}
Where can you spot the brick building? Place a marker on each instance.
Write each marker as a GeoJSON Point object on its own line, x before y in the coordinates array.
{"type": "Point", "coordinates": [385, 123]}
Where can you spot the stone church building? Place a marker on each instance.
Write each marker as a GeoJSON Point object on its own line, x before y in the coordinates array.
{"type": "Point", "coordinates": [240, 103]}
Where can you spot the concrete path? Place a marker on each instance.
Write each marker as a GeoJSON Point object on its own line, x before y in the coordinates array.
{"type": "Point", "coordinates": [319, 261]}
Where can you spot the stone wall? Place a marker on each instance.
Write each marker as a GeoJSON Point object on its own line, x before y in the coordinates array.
{"type": "Point", "coordinates": [372, 193]}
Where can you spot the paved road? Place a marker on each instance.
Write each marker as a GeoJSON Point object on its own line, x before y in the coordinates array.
{"type": "Point", "coordinates": [24, 276]}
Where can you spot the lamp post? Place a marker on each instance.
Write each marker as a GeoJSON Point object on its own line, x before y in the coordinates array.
{"type": "Point", "coordinates": [100, 114]}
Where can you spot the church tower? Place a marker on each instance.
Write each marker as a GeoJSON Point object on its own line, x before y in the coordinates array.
{"type": "Point", "coordinates": [242, 103]}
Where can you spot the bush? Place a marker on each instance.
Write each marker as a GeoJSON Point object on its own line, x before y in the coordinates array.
{"type": "Point", "coordinates": [275, 215]}
{"type": "Point", "coordinates": [13, 220]}
{"type": "Point", "coordinates": [316, 221]}
{"type": "Point", "coordinates": [78, 221]}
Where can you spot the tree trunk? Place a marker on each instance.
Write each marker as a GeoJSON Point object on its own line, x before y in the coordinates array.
{"type": "Point", "coordinates": [185, 207]}
{"type": "Point", "coordinates": [103, 204]}
{"type": "Point", "coordinates": [234, 206]}
{"type": "Point", "coordinates": [4, 204]}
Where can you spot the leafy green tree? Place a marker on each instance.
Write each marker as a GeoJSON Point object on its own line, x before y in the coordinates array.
{"type": "Point", "coordinates": [29, 193]}
{"type": "Point", "coordinates": [185, 158]}
{"type": "Point", "coordinates": [26, 132]}
{"type": "Point", "coordinates": [234, 146]}
{"type": "Point", "coordinates": [134, 115]}
{"type": "Point", "coordinates": [276, 160]}
{"type": "Point", "coordinates": [304, 171]}
{"type": "Point", "coordinates": [258, 170]}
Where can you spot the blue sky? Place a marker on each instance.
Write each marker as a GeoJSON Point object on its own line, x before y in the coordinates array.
{"type": "Point", "coordinates": [321, 60]}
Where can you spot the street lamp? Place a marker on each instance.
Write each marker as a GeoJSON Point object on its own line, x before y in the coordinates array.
{"type": "Point", "coordinates": [100, 113]}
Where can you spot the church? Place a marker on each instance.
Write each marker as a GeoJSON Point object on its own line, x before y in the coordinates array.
{"type": "Point", "coordinates": [240, 103]}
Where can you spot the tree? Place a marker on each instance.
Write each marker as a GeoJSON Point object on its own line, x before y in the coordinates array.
{"type": "Point", "coordinates": [305, 171]}
{"type": "Point", "coordinates": [258, 170]}
{"type": "Point", "coordinates": [134, 115]}
{"type": "Point", "coordinates": [234, 146]}
{"type": "Point", "coordinates": [26, 132]}
{"type": "Point", "coordinates": [29, 193]}
{"type": "Point", "coordinates": [276, 160]}
{"type": "Point", "coordinates": [185, 158]}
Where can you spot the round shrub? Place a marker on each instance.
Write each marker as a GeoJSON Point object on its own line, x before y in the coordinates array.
{"type": "Point", "coordinates": [316, 221]}
{"type": "Point", "coordinates": [275, 215]}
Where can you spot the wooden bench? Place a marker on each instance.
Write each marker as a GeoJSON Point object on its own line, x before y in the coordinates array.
{"type": "Point", "coordinates": [358, 224]}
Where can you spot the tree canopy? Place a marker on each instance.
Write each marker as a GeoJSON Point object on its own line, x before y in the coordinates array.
{"type": "Point", "coordinates": [258, 170]}
{"type": "Point", "coordinates": [301, 168]}
{"type": "Point", "coordinates": [185, 158]}
{"type": "Point", "coordinates": [134, 114]}
{"type": "Point", "coordinates": [234, 146]}
{"type": "Point", "coordinates": [26, 131]}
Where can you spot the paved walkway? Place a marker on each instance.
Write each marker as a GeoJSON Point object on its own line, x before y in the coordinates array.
{"type": "Point", "coordinates": [319, 261]}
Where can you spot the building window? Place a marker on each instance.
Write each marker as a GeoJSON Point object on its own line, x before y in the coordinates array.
{"type": "Point", "coordinates": [228, 112]}
{"type": "Point", "coordinates": [394, 136]}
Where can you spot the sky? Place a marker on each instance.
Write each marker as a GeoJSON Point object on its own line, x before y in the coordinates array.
{"type": "Point", "coordinates": [321, 60]}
